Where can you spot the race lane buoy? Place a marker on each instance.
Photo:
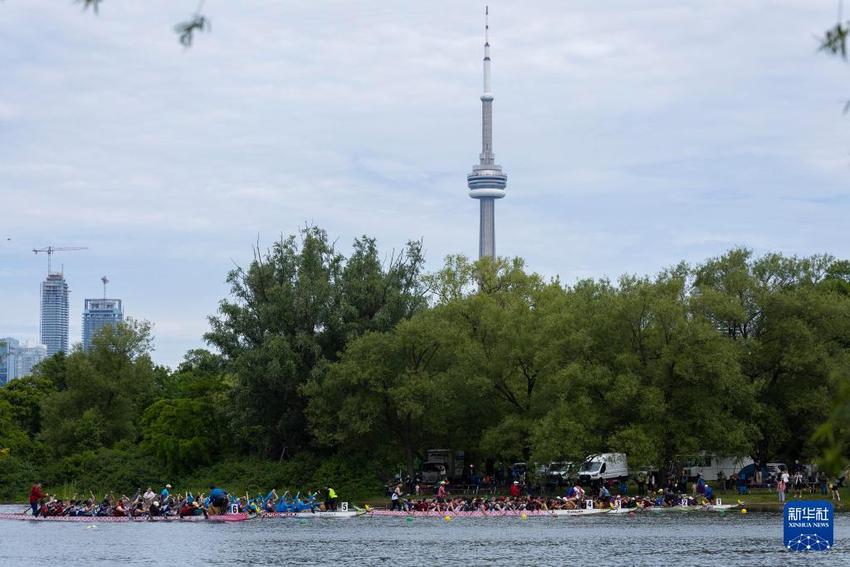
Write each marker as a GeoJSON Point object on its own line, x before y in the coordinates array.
{"type": "Point", "coordinates": [523, 516]}
{"type": "Point", "coordinates": [447, 518]}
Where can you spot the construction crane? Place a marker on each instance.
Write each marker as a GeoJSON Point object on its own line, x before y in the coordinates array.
{"type": "Point", "coordinates": [51, 249]}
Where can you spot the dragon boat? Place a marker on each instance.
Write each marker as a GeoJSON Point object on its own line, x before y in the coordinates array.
{"type": "Point", "coordinates": [491, 513]}
{"type": "Point", "coordinates": [124, 519]}
{"type": "Point", "coordinates": [340, 514]}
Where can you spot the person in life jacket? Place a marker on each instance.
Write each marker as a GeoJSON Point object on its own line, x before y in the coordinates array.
{"type": "Point", "coordinates": [330, 500]}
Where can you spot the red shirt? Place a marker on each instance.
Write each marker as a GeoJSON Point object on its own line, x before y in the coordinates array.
{"type": "Point", "coordinates": [36, 494]}
{"type": "Point", "coordinates": [515, 490]}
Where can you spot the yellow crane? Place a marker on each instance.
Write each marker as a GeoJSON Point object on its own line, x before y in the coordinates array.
{"type": "Point", "coordinates": [49, 250]}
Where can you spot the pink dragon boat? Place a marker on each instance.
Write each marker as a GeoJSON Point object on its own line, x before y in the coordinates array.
{"type": "Point", "coordinates": [493, 513]}
{"type": "Point", "coordinates": [124, 519]}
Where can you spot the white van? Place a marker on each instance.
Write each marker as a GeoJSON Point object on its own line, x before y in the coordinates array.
{"type": "Point", "coordinates": [709, 465]}
{"type": "Point", "coordinates": [604, 466]}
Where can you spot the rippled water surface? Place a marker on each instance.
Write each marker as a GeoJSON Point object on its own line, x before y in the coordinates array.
{"type": "Point", "coordinates": [674, 538]}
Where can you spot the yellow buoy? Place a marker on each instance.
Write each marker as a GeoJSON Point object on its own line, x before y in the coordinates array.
{"type": "Point", "coordinates": [447, 518]}
{"type": "Point", "coordinates": [743, 510]}
{"type": "Point", "coordinates": [523, 516]}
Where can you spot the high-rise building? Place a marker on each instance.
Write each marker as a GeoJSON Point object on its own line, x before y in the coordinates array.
{"type": "Point", "coordinates": [54, 314]}
{"type": "Point", "coordinates": [26, 357]}
{"type": "Point", "coordinates": [487, 182]}
{"type": "Point", "coordinates": [17, 361]}
{"type": "Point", "coordinates": [7, 359]}
{"type": "Point", "coordinates": [100, 313]}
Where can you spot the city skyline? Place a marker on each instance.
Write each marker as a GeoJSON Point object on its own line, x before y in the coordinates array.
{"type": "Point", "coordinates": [632, 142]}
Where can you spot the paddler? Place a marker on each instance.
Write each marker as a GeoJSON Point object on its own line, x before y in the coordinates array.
{"type": "Point", "coordinates": [218, 500]}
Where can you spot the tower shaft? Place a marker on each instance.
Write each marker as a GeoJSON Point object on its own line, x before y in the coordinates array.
{"type": "Point", "coordinates": [487, 230]}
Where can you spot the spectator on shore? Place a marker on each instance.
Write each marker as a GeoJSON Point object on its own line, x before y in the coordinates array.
{"type": "Point", "coordinates": [822, 481]}
{"type": "Point", "coordinates": [798, 482]}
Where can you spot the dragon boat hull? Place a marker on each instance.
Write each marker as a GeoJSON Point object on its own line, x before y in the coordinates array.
{"type": "Point", "coordinates": [719, 507]}
{"type": "Point", "coordinates": [125, 519]}
{"type": "Point", "coordinates": [624, 510]}
{"type": "Point", "coordinates": [314, 515]}
{"type": "Point", "coordinates": [492, 514]}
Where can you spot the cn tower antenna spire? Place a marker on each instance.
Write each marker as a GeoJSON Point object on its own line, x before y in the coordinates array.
{"type": "Point", "coordinates": [486, 25]}
{"type": "Point", "coordinates": [487, 86]}
{"type": "Point", "coordinates": [487, 182]}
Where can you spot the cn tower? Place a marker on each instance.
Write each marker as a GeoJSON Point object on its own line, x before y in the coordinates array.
{"type": "Point", "coordinates": [487, 182]}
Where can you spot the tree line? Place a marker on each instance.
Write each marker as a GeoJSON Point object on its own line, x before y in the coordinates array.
{"type": "Point", "coordinates": [353, 366]}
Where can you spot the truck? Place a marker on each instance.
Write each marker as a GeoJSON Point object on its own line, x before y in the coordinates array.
{"type": "Point", "coordinates": [442, 463]}
{"type": "Point", "coordinates": [709, 465]}
{"type": "Point", "coordinates": [604, 466]}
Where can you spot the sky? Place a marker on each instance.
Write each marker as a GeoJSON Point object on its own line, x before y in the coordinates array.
{"type": "Point", "coordinates": [635, 134]}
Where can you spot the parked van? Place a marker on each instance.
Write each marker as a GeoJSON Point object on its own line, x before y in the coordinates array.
{"type": "Point", "coordinates": [709, 466]}
{"type": "Point", "coordinates": [604, 466]}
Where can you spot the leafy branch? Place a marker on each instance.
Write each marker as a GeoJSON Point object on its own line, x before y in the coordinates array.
{"type": "Point", "coordinates": [834, 40]}
{"type": "Point", "coordinates": [93, 4]}
{"type": "Point", "coordinates": [185, 30]}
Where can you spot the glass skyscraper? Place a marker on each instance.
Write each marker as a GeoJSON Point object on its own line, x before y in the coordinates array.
{"type": "Point", "coordinates": [54, 314]}
{"type": "Point", "coordinates": [7, 359]}
{"type": "Point", "coordinates": [17, 361]}
{"type": "Point", "coordinates": [99, 313]}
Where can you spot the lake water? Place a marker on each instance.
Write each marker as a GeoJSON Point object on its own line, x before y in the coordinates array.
{"type": "Point", "coordinates": [646, 539]}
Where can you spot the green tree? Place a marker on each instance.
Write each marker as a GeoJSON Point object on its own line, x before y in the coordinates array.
{"type": "Point", "coordinates": [295, 308]}
{"type": "Point", "coordinates": [24, 396]}
{"type": "Point", "coordinates": [389, 388]}
{"type": "Point", "coordinates": [187, 428]}
{"type": "Point", "coordinates": [105, 391]}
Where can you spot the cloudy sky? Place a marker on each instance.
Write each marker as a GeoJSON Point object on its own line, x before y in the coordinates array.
{"type": "Point", "coordinates": [635, 133]}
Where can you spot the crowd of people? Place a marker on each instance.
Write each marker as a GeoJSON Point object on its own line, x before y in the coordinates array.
{"type": "Point", "coordinates": [166, 503]}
